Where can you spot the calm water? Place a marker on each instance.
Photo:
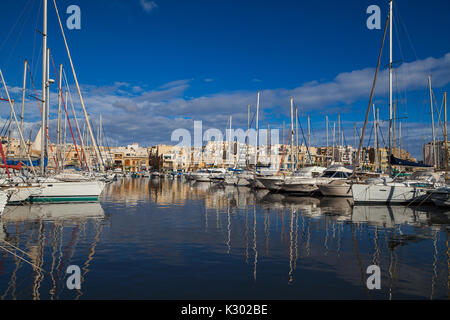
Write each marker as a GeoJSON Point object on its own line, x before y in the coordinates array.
{"type": "Point", "coordinates": [164, 239]}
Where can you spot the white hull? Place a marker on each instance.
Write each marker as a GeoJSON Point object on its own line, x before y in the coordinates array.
{"type": "Point", "coordinates": [336, 189]}
{"type": "Point", "coordinates": [22, 193]}
{"type": "Point", "coordinates": [299, 187]}
{"type": "Point", "coordinates": [62, 192]}
{"type": "Point", "coordinates": [273, 183]}
{"type": "Point", "coordinates": [53, 211]}
{"type": "Point", "coordinates": [3, 201]}
{"type": "Point", "coordinates": [390, 193]}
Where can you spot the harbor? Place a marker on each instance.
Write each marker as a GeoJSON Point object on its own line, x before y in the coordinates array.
{"type": "Point", "coordinates": [145, 231]}
{"type": "Point", "coordinates": [287, 188]}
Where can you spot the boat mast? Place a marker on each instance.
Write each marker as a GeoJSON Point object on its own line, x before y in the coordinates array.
{"type": "Point", "coordinates": [309, 139]}
{"type": "Point", "coordinates": [230, 146]}
{"type": "Point", "coordinates": [376, 137]}
{"type": "Point", "coordinates": [23, 105]}
{"type": "Point", "coordinates": [44, 84]}
{"type": "Point", "coordinates": [445, 135]}
{"type": "Point", "coordinates": [47, 107]}
{"type": "Point", "coordinates": [399, 139]}
{"type": "Point", "coordinates": [257, 132]}
{"type": "Point", "coordinates": [86, 116]}
{"type": "Point", "coordinates": [292, 133]}
{"type": "Point", "coordinates": [334, 139]}
{"type": "Point", "coordinates": [248, 132]}
{"type": "Point", "coordinates": [432, 124]}
{"type": "Point", "coordinates": [59, 134]}
{"type": "Point", "coordinates": [339, 130]}
{"type": "Point", "coordinates": [296, 134]}
{"type": "Point", "coordinates": [378, 142]}
{"type": "Point", "coordinates": [65, 135]}
{"type": "Point", "coordinates": [390, 84]}
{"type": "Point", "coordinates": [326, 124]}
{"type": "Point", "coordinates": [100, 131]}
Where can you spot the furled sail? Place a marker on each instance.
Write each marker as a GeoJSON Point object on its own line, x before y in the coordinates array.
{"type": "Point", "coordinates": [406, 163]}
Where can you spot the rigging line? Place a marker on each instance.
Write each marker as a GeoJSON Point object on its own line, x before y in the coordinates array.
{"type": "Point", "coordinates": [40, 110]}
{"type": "Point", "coordinates": [438, 112]}
{"type": "Point", "coordinates": [17, 256]}
{"type": "Point", "coordinates": [35, 33]}
{"type": "Point", "coordinates": [108, 146]}
{"type": "Point", "coordinates": [406, 31]}
{"type": "Point", "coordinates": [19, 35]}
{"type": "Point", "coordinates": [80, 137]}
{"type": "Point", "coordinates": [97, 134]}
{"type": "Point", "coordinates": [67, 114]}
{"type": "Point", "coordinates": [17, 248]}
{"type": "Point", "coordinates": [304, 139]}
{"type": "Point", "coordinates": [14, 26]}
{"type": "Point", "coordinates": [7, 123]}
{"type": "Point", "coordinates": [86, 116]}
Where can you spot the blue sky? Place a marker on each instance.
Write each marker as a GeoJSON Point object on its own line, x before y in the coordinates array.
{"type": "Point", "coordinates": [150, 67]}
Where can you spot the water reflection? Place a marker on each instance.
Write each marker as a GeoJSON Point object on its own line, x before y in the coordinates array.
{"type": "Point", "coordinates": [40, 241]}
{"type": "Point", "coordinates": [168, 238]}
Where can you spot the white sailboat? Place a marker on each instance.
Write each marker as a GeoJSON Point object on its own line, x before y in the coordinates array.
{"type": "Point", "coordinates": [295, 182]}
{"type": "Point", "coordinates": [386, 190]}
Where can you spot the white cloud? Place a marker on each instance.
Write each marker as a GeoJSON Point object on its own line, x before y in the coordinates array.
{"type": "Point", "coordinates": [134, 113]}
{"type": "Point", "coordinates": [148, 5]}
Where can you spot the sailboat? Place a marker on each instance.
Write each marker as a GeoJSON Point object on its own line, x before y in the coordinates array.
{"type": "Point", "coordinates": [387, 190]}
{"type": "Point", "coordinates": [43, 188]}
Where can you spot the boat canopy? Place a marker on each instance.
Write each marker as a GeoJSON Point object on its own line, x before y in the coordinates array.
{"type": "Point", "coordinates": [25, 162]}
{"type": "Point", "coordinates": [401, 162]}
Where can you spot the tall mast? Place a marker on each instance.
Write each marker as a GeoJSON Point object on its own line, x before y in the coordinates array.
{"type": "Point", "coordinates": [100, 142]}
{"type": "Point", "coordinates": [257, 132]}
{"type": "Point", "coordinates": [65, 134]}
{"type": "Point", "coordinates": [23, 105]}
{"type": "Point", "coordinates": [292, 133]}
{"type": "Point", "coordinates": [376, 137]}
{"type": "Point", "coordinates": [400, 139]}
{"type": "Point", "coordinates": [248, 132]}
{"type": "Point", "coordinates": [394, 142]}
{"type": "Point", "coordinates": [296, 134]}
{"type": "Point", "coordinates": [378, 142]}
{"type": "Point", "coordinates": [86, 116]}
{"type": "Point", "coordinates": [326, 124]}
{"type": "Point", "coordinates": [47, 108]}
{"type": "Point", "coordinates": [309, 140]}
{"type": "Point", "coordinates": [339, 130]}
{"type": "Point", "coordinates": [432, 124]}
{"type": "Point", "coordinates": [59, 133]}
{"type": "Point", "coordinates": [230, 146]}
{"type": "Point", "coordinates": [44, 85]}
{"type": "Point", "coordinates": [445, 135]}
{"type": "Point", "coordinates": [390, 84]}
{"type": "Point", "coordinates": [334, 138]}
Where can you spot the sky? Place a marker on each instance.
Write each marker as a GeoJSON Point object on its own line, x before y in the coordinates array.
{"type": "Point", "coordinates": [151, 67]}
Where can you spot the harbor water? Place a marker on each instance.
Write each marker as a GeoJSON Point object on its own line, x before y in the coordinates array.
{"type": "Point", "coordinates": [174, 239]}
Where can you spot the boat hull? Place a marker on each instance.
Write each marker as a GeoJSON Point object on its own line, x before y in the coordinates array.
{"type": "Point", "coordinates": [299, 188]}
{"type": "Point", "coordinates": [399, 194]}
{"type": "Point", "coordinates": [68, 192]}
{"type": "Point", "coordinates": [331, 190]}
{"type": "Point", "coordinates": [271, 183]}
